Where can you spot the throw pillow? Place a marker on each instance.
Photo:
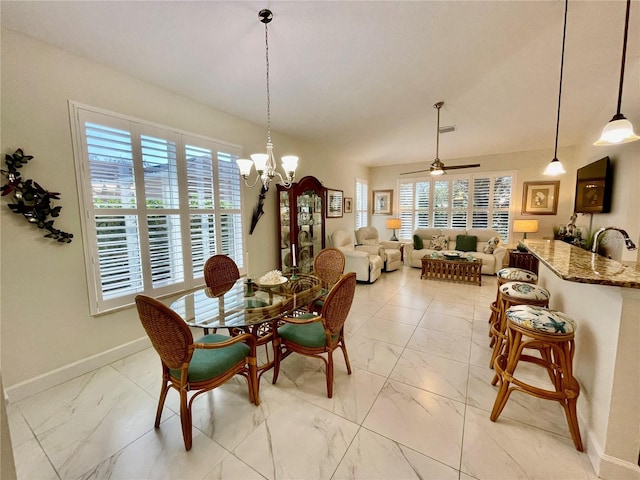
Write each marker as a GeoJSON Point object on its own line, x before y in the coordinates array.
{"type": "Point", "coordinates": [439, 242]}
{"type": "Point", "coordinates": [466, 243]}
{"type": "Point", "coordinates": [491, 245]}
{"type": "Point", "coordinates": [417, 242]}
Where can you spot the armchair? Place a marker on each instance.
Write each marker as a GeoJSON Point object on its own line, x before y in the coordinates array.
{"type": "Point", "coordinates": [368, 240]}
{"type": "Point", "coordinates": [367, 266]}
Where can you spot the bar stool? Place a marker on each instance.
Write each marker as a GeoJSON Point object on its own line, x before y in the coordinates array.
{"type": "Point", "coordinates": [504, 275]}
{"type": "Point", "coordinates": [510, 294]}
{"type": "Point", "coordinates": [552, 333]}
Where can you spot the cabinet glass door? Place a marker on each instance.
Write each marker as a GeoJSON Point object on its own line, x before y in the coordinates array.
{"type": "Point", "coordinates": [285, 231]}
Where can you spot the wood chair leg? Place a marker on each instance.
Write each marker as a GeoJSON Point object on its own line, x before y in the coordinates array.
{"type": "Point", "coordinates": [277, 357]}
{"type": "Point", "coordinates": [185, 420]}
{"type": "Point", "coordinates": [346, 356]}
{"type": "Point", "coordinates": [330, 374]}
{"type": "Point", "coordinates": [163, 396]}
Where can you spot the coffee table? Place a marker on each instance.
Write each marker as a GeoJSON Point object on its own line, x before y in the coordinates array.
{"type": "Point", "coordinates": [457, 270]}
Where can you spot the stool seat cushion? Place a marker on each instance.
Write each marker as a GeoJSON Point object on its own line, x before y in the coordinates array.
{"type": "Point", "coordinates": [541, 319]}
{"type": "Point", "coordinates": [517, 274]}
{"type": "Point", "coordinates": [525, 291]}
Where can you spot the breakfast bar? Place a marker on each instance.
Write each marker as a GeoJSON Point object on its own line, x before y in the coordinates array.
{"type": "Point", "coordinates": [603, 296]}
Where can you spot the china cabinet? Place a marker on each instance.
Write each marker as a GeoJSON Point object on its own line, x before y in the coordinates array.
{"type": "Point", "coordinates": [301, 223]}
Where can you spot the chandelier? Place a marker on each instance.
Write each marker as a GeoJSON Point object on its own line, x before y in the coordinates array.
{"type": "Point", "coordinates": [264, 162]}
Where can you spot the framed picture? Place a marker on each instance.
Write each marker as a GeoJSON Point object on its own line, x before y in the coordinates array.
{"type": "Point", "coordinates": [382, 202]}
{"type": "Point", "coordinates": [334, 203]}
{"type": "Point", "coordinates": [540, 198]}
{"type": "Point", "coordinates": [347, 204]}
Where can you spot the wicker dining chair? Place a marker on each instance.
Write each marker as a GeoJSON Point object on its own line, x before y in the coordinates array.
{"type": "Point", "coordinates": [220, 274]}
{"type": "Point", "coordinates": [328, 266]}
{"type": "Point", "coordinates": [189, 366]}
{"type": "Point", "coordinates": [315, 335]}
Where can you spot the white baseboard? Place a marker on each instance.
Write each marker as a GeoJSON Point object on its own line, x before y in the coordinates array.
{"type": "Point", "coordinates": [608, 467]}
{"type": "Point", "coordinates": [42, 382]}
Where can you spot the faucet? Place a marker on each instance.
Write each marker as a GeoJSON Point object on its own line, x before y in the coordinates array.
{"type": "Point", "coordinates": [627, 240]}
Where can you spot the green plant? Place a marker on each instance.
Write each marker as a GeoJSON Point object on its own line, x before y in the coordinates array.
{"type": "Point", "coordinates": [31, 200]}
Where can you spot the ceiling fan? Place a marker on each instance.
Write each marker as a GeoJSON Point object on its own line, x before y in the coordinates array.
{"type": "Point", "coordinates": [437, 167]}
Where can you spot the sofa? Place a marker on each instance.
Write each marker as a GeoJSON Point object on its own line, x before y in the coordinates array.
{"type": "Point", "coordinates": [367, 266]}
{"type": "Point", "coordinates": [441, 239]}
{"type": "Point", "coordinates": [368, 240]}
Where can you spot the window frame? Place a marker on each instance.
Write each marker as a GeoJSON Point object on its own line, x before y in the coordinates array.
{"type": "Point", "coordinates": [99, 300]}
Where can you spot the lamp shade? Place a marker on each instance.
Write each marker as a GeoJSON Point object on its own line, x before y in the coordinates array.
{"type": "Point", "coordinates": [554, 168]}
{"type": "Point", "coordinates": [617, 131]}
{"type": "Point", "coordinates": [394, 223]}
{"type": "Point", "coordinates": [525, 226]}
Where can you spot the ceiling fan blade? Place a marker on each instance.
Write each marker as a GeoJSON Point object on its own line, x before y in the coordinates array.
{"type": "Point", "coordinates": [455, 167]}
{"type": "Point", "coordinates": [417, 171]}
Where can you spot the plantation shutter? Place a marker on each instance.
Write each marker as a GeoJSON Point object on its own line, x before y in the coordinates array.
{"type": "Point", "coordinates": [108, 147]}
{"type": "Point", "coordinates": [230, 207]}
{"type": "Point", "coordinates": [405, 206]}
{"type": "Point", "coordinates": [361, 203]}
{"type": "Point", "coordinates": [501, 206]}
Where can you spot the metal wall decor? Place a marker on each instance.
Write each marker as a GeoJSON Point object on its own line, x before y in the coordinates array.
{"type": "Point", "coordinates": [31, 200]}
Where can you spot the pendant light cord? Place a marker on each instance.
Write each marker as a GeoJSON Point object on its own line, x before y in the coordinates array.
{"type": "Point", "coordinates": [624, 55]}
{"type": "Point", "coordinates": [564, 35]}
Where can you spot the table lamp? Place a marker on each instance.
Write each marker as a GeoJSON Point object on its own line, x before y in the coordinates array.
{"type": "Point", "coordinates": [393, 224]}
{"type": "Point", "coordinates": [525, 226]}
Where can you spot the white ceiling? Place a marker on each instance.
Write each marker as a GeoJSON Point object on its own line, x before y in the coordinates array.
{"type": "Point", "coordinates": [362, 76]}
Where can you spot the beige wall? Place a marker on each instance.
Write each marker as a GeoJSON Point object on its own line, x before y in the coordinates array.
{"type": "Point", "coordinates": [528, 167]}
{"type": "Point", "coordinates": [44, 294]}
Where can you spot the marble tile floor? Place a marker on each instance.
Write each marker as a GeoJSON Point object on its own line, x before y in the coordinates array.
{"type": "Point", "coordinates": [416, 406]}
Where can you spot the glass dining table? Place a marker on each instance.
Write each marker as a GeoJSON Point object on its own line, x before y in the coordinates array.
{"type": "Point", "coordinates": [249, 307]}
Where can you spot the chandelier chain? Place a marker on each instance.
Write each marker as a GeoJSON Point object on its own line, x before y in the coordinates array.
{"type": "Point", "coordinates": [266, 42]}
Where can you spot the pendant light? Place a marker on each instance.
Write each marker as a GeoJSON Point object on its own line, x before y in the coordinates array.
{"type": "Point", "coordinates": [555, 166]}
{"type": "Point", "coordinates": [619, 129]}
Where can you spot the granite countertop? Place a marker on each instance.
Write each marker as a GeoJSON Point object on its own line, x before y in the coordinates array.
{"type": "Point", "coordinates": [577, 265]}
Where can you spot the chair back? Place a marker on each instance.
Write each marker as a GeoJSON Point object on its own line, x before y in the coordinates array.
{"type": "Point", "coordinates": [367, 236]}
{"type": "Point", "coordinates": [342, 240]}
{"type": "Point", "coordinates": [338, 303]}
{"type": "Point", "coordinates": [169, 334]}
{"type": "Point", "coordinates": [220, 274]}
{"type": "Point", "coordinates": [328, 265]}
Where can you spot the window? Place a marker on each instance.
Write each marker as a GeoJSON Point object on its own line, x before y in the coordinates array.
{"type": "Point", "coordinates": [362, 203]}
{"type": "Point", "coordinates": [157, 203]}
{"type": "Point", "coordinates": [473, 201]}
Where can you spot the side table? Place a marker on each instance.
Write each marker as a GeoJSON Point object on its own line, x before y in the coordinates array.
{"type": "Point", "coordinates": [524, 260]}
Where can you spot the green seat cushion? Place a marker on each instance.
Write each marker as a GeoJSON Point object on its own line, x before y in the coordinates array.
{"type": "Point", "coordinates": [466, 243]}
{"type": "Point", "coordinates": [206, 364]}
{"type": "Point", "coordinates": [309, 335]}
{"type": "Point", "coordinates": [417, 242]}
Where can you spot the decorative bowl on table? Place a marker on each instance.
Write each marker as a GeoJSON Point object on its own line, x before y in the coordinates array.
{"type": "Point", "coordinates": [273, 278]}
{"type": "Point", "coordinates": [451, 255]}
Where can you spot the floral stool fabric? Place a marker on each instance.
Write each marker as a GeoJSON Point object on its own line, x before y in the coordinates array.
{"type": "Point", "coordinates": [524, 291]}
{"type": "Point", "coordinates": [517, 275]}
{"type": "Point", "coordinates": [541, 319]}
